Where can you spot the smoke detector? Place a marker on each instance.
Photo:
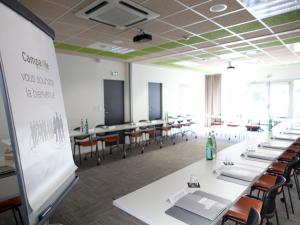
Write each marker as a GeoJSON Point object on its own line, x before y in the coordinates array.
{"type": "Point", "coordinates": [121, 14]}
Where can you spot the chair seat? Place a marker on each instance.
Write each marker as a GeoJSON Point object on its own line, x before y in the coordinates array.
{"type": "Point", "coordinates": [152, 131]}
{"type": "Point", "coordinates": [240, 210]}
{"type": "Point", "coordinates": [294, 148]}
{"type": "Point", "coordinates": [165, 128]}
{"type": "Point", "coordinates": [178, 126]}
{"type": "Point", "coordinates": [187, 124]}
{"type": "Point", "coordinates": [87, 143]}
{"type": "Point", "coordinates": [265, 182]}
{"type": "Point", "coordinates": [109, 139]}
{"type": "Point", "coordinates": [135, 134]}
{"type": "Point", "coordinates": [287, 156]}
{"type": "Point", "coordinates": [10, 203]}
{"type": "Point", "coordinates": [277, 168]}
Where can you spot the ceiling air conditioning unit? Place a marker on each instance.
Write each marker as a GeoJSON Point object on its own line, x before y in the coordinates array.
{"type": "Point", "coordinates": [121, 14]}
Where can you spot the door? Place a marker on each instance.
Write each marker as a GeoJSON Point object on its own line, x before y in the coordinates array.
{"type": "Point", "coordinates": [113, 102]}
{"type": "Point", "coordinates": [155, 100]}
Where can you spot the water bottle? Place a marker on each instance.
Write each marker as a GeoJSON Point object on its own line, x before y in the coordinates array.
{"type": "Point", "coordinates": [209, 148]}
{"type": "Point", "coordinates": [214, 142]}
{"type": "Point", "coordinates": [81, 126]}
{"type": "Point", "coordinates": [86, 126]}
{"type": "Point", "coordinates": [270, 126]}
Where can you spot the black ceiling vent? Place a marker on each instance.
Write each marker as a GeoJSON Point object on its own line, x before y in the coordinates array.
{"type": "Point", "coordinates": [120, 14]}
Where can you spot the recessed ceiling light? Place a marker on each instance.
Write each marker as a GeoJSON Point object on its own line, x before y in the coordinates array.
{"type": "Point", "coordinates": [218, 8]}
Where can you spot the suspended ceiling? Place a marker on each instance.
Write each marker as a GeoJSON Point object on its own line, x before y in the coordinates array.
{"type": "Point", "coordinates": [185, 35]}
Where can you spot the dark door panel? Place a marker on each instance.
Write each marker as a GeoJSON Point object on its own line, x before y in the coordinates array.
{"type": "Point", "coordinates": [155, 100]}
{"type": "Point", "coordinates": [113, 102]}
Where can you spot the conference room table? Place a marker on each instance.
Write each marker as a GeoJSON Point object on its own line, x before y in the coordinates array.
{"type": "Point", "coordinates": [150, 203]}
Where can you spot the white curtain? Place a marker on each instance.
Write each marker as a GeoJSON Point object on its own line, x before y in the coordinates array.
{"type": "Point", "coordinates": [212, 97]}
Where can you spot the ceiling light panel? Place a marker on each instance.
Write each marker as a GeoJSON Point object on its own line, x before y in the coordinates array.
{"type": "Point", "coordinates": [267, 8]}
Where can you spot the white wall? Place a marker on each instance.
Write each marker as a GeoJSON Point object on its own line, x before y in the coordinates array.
{"type": "Point", "coordinates": [82, 86]}
{"type": "Point", "coordinates": [172, 82]}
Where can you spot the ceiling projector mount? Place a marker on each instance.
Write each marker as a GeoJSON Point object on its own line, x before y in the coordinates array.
{"type": "Point", "coordinates": [230, 66]}
{"type": "Point", "coordinates": [142, 37]}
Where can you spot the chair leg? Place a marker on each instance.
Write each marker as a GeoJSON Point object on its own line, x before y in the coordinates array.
{"type": "Point", "coordinates": [285, 203]}
{"type": "Point", "coordinates": [223, 220]}
{"type": "Point", "coordinates": [297, 184]}
{"type": "Point", "coordinates": [289, 191]}
{"type": "Point", "coordinates": [15, 217]}
{"type": "Point", "coordinates": [79, 154]}
{"type": "Point", "coordinates": [276, 215]}
{"type": "Point", "coordinates": [20, 216]}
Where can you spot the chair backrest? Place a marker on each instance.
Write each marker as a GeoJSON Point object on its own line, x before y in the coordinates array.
{"type": "Point", "coordinates": [82, 137]}
{"type": "Point", "coordinates": [288, 169]}
{"type": "Point", "coordinates": [253, 217]}
{"type": "Point", "coordinates": [270, 196]}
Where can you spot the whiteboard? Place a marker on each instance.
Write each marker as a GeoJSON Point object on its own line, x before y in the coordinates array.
{"type": "Point", "coordinates": [29, 68]}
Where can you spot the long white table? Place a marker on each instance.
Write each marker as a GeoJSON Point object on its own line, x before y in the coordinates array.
{"type": "Point", "coordinates": [150, 202]}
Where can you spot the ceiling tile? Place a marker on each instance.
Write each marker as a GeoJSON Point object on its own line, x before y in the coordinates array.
{"type": "Point", "coordinates": [73, 20]}
{"type": "Point", "coordinates": [235, 18]}
{"type": "Point", "coordinates": [255, 34]}
{"type": "Point", "coordinates": [65, 29]}
{"type": "Point", "coordinates": [107, 29]}
{"type": "Point", "coordinates": [138, 1]}
{"type": "Point", "coordinates": [241, 44]}
{"type": "Point", "coordinates": [192, 2]}
{"type": "Point", "coordinates": [290, 35]}
{"type": "Point", "coordinates": [82, 5]}
{"type": "Point", "coordinates": [201, 27]}
{"type": "Point", "coordinates": [216, 34]}
{"type": "Point", "coordinates": [44, 8]}
{"type": "Point", "coordinates": [65, 3]}
{"type": "Point", "coordinates": [247, 27]}
{"type": "Point", "coordinates": [129, 34]}
{"type": "Point", "coordinates": [214, 49]}
{"type": "Point", "coordinates": [232, 5]}
{"type": "Point", "coordinates": [184, 49]}
{"type": "Point", "coordinates": [283, 18]}
{"type": "Point", "coordinates": [228, 40]}
{"type": "Point", "coordinates": [286, 27]}
{"type": "Point", "coordinates": [164, 8]}
{"type": "Point", "coordinates": [262, 40]}
{"type": "Point", "coordinates": [204, 45]}
{"type": "Point", "coordinates": [157, 27]}
{"type": "Point", "coordinates": [96, 36]}
{"type": "Point", "coordinates": [156, 40]}
{"type": "Point", "coordinates": [175, 34]}
{"type": "Point", "coordinates": [80, 41]}
{"type": "Point", "coordinates": [184, 18]}
{"type": "Point", "coordinates": [61, 37]}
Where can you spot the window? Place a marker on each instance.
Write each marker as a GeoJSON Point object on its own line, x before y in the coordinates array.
{"type": "Point", "coordinates": [296, 97]}
{"type": "Point", "coordinates": [279, 99]}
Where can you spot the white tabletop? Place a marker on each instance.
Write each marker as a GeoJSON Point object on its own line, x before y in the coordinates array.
{"type": "Point", "coordinates": [117, 128]}
{"type": "Point", "coordinates": [150, 202]}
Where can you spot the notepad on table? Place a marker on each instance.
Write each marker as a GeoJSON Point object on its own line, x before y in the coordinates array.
{"type": "Point", "coordinates": [201, 205]}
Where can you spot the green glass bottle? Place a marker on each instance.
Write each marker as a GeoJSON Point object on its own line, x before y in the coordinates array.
{"type": "Point", "coordinates": [86, 126]}
{"type": "Point", "coordinates": [209, 148]}
{"type": "Point", "coordinates": [270, 125]}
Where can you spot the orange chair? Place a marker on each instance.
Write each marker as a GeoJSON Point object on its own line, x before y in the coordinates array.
{"type": "Point", "coordinates": [12, 204]}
